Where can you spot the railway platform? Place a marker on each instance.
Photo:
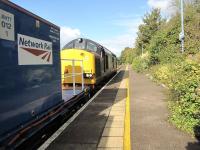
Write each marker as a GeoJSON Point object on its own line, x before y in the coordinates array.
{"type": "Point", "coordinates": [100, 124]}
{"type": "Point", "coordinates": [116, 120]}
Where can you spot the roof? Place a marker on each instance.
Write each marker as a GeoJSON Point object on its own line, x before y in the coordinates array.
{"type": "Point", "coordinates": [29, 13]}
{"type": "Point", "coordinates": [97, 44]}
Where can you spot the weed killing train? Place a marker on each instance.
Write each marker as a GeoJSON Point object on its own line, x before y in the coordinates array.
{"type": "Point", "coordinates": [31, 69]}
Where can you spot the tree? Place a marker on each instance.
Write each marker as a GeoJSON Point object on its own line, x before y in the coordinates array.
{"type": "Point", "coordinates": [127, 55]}
{"type": "Point", "coordinates": [151, 24]}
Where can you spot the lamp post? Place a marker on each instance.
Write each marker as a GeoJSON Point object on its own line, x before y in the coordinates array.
{"type": "Point", "coordinates": [142, 49]}
{"type": "Point", "coordinates": [181, 35]}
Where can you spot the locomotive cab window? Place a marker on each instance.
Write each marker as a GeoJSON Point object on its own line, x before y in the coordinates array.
{"type": "Point", "coordinates": [92, 47]}
{"type": "Point", "coordinates": [68, 46]}
{"type": "Point", "coordinates": [79, 44]}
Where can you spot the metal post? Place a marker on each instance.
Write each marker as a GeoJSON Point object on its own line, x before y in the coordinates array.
{"type": "Point", "coordinates": [182, 28]}
{"type": "Point", "coordinates": [82, 77]}
{"type": "Point", "coordinates": [142, 50]}
{"type": "Point", "coordinates": [73, 75]}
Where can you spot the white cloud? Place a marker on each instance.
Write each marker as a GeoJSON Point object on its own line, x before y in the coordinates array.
{"type": "Point", "coordinates": [130, 24]}
{"type": "Point", "coordinates": [67, 34]}
{"type": "Point", "coordinates": [162, 4]}
{"type": "Point", "coordinates": [118, 43]}
{"type": "Point", "coordinates": [127, 39]}
{"type": "Point", "coordinates": [167, 7]}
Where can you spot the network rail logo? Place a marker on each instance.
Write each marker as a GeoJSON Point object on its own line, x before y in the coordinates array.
{"type": "Point", "coordinates": [33, 51]}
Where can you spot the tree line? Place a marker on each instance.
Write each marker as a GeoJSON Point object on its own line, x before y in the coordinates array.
{"type": "Point", "coordinates": [157, 52]}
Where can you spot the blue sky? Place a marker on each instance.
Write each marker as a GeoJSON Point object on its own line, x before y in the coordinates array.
{"type": "Point", "coordinates": [113, 23]}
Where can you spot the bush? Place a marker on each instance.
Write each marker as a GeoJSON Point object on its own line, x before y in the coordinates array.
{"type": "Point", "coordinates": [163, 74]}
{"type": "Point", "coordinates": [141, 63]}
{"type": "Point", "coordinates": [183, 79]}
{"type": "Point", "coordinates": [180, 119]}
{"type": "Point", "coordinates": [186, 85]}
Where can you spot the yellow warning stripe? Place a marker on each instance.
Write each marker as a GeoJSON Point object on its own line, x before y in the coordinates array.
{"type": "Point", "coordinates": [127, 137]}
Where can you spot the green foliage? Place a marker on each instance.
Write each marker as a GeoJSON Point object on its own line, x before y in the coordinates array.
{"type": "Point", "coordinates": [180, 72]}
{"type": "Point", "coordinates": [186, 109]}
{"type": "Point", "coordinates": [192, 24]}
{"type": "Point", "coordinates": [140, 64]}
{"type": "Point", "coordinates": [183, 79]}
{"type": "Point", "coordinates": [127, 55]}
{"type": "Point", "coordinates": [163, 74]}
{"type": "Point", "coordinates": [183, 122]}
{"type": "Point", "coordinates": [151, 24]}
{"type": "Point", "coordinates": [164, 46]}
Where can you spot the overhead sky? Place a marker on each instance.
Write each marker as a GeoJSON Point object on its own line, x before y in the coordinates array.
{"type": "Point", "coordinates": [112, 23]}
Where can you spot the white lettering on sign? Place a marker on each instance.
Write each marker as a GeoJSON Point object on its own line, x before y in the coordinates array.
{"type": "Point", "coordinates": [7, 29]}
{"type": "Point", "coordinates": [33, 51]}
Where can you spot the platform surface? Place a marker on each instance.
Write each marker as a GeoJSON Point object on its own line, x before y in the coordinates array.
{"type": "Point", "coordinates": [101, 124]}
{"type": "Point", "coordinates": [150, 128]}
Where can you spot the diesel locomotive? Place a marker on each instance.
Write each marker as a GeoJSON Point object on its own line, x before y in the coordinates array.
{"type": "Point", "coordinates": [97, 61]}
{"type": "Point", "coordinates": [32, 68]}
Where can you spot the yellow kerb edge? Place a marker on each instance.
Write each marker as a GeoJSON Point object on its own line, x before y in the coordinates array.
{"type": "Point", "coordinates": [127, 137]}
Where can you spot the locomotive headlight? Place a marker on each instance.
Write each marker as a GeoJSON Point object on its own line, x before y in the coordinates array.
{"type": "Point", "coordinates": [88, 75]}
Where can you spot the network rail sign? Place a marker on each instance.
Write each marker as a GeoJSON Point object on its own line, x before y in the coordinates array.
{"type": "Point", "coordinates": [33, 51]}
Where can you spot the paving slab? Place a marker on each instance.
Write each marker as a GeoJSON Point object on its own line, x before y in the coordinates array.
{"type": "Point", "coordinates": [110, 148]}
{"type": "Point", "coordinates": [114, 124]}
{"type": "Point", "coordinates": [116, 118]}
{"type": "Point", "coordinates": [113, 132]}
{"type": "Point", "coordinates": [116, 104]}
{"type": "Point", "coordinates": [115, 108]}
{"type": "Point", "coordinates": [116, 113]}
{"type": "Point", "coordinates": [111, 142]}
{"type": "Point", "coordinates": [64, 146]}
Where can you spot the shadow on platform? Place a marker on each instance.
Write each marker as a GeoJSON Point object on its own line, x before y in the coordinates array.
{"type": "Point", "coordinates": [195, 145]}
{"type": "Point", "coordinates": [86, 130]}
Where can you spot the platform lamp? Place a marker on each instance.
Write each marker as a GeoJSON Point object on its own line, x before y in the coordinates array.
{"type": "Point", "coordinates": [181, 35]}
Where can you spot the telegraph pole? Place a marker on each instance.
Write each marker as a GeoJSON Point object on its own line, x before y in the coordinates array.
{"type": "Point", "coordinates": [182, 36]}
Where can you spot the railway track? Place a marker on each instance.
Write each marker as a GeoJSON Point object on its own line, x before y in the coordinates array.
{"type": "Point", "coordinates": [37, 139]}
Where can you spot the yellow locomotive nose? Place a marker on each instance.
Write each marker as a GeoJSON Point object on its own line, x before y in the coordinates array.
{"type": "Point", "coordinates": [89, 61]}
{"type": "Point", "coordinates": [80, 59]}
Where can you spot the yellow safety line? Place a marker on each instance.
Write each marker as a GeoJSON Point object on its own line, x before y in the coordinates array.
{"type": "Point", "coordinates": [127, 137]}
